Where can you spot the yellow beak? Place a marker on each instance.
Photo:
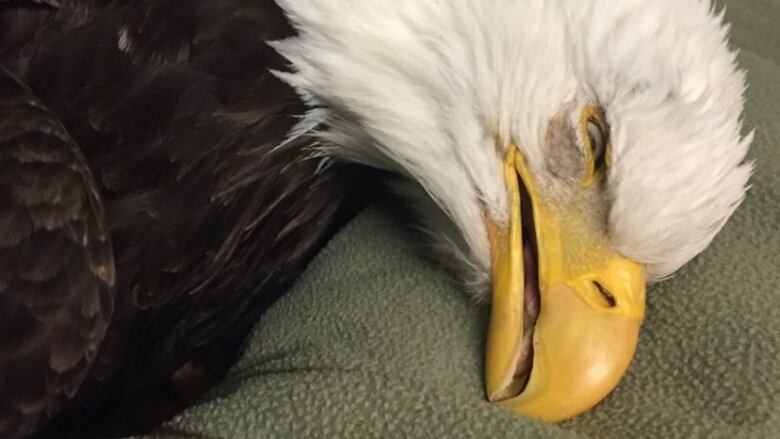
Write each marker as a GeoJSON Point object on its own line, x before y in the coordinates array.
{"type": "Point", "coordinates": [591, 300]}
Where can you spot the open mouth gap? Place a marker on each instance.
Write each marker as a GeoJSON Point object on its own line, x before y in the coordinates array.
{"type": "Point", "coordinates": [532, 304]}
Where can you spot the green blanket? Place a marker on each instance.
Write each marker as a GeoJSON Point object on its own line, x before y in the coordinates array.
{"type": "Point", "coordinates": [374, 341]}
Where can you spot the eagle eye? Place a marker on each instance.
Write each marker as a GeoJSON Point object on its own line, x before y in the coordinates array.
{"type": "Point", "coordinates": [597, 139]}
{"type": "Point", "coordinates": [595, 136]}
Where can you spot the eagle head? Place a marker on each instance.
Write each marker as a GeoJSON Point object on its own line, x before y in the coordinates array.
{"type": "Point", "coordinates": [561, 153]}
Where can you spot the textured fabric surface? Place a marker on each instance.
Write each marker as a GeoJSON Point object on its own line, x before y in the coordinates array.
{"type": "Point", "coordinates": [375, 341]}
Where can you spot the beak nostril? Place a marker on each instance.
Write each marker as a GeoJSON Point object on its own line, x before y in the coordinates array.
{"type": "Point", "coordinates": [611, 301]}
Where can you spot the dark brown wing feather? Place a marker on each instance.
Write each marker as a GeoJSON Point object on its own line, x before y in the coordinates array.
{"type": "Point", "coordinates": [180, 119]}
{"type": "Point", "coordinates": [56, 264]}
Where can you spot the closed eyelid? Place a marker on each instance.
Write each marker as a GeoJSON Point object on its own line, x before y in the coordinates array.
{"type": "Point", "coordinates": [593, 116]}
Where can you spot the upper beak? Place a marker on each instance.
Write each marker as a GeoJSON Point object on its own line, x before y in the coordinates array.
{"type": "Point", "coordinates": [591, 301]}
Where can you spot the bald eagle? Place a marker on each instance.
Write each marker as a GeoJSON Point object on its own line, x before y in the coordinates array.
{"type": "Point", "coordinates": [561, 155]}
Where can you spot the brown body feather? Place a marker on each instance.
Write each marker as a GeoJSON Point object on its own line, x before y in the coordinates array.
{"type": "Point", "coordinates": [56, 264]}
{"type": "Point", "coordinates": [174, 109]}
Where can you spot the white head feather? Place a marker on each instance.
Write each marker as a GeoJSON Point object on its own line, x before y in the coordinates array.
{"type": "Point", "coordinates": [436, 91]}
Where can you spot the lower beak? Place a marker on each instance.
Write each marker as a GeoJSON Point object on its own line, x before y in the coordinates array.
{"type": "Point", "coordinates": [591, 308]}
